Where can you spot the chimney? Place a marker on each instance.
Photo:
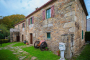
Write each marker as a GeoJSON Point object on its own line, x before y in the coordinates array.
{"type": "Point", "coordinates": [37, 8]}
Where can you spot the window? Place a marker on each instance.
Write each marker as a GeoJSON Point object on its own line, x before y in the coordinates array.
{"type": "Point", "coordinates": [23, 25]}
{"type": "Point", "coordinates": [82, 34]}
{"type": "Point", "coordinates": [31, 21]}
{"type": "Point", "coordinates": [48, 35]}
{"type": "Point", "coordinates": [48, 13]}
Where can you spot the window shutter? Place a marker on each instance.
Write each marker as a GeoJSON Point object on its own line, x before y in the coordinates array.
{"type": "Point", "coordinates": [32, 19]}
{"type": "Point", "coordinates": [28, 21]}
{"type": "Point", "coordinates": [24, 25]}
{"type": "Point", "coordinates": [43, 14]}
{"type": "Point", "coordinates": [52, 11]}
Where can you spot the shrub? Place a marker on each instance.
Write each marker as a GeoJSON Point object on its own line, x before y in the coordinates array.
{"type": "Point", "coordinates": [87, 36]}
{"type": "Point", "coordinates": [4, 40]}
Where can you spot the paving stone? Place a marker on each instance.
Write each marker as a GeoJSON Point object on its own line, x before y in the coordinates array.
{"type": "Point", "coordinates": [22, 57]}
{"type": "Point", "coordinates": [33, 58]}
{"type": "Point", "coordinates": [14, 53]}
{"type": "Point", "coordinates": [12, 50]}
{"type": "Point", "coordinates": [25, 52]}
{"type": "Point", "coordinates": [11, 47]}
{"type": "Point", "coordinates": [0, 48]}
{"type": "Point", "coordinates": [20, 51]}
{"type": "Point", "coordinates": [5, 47]}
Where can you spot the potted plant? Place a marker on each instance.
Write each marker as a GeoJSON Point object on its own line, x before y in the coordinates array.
{"type": "Point", "coordinates": [58, 52]}
{"type": "Point", "coordinates": [46, 48]}
{"type": "Point", "coordinates": [26, 42]}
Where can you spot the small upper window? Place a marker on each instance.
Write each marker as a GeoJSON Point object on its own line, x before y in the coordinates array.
{"type": "Point", "coordinates": [48, 35]}
{"type": "Point", "coordinates": [23, 25]}
{"type": "Point", "coordinates": [31, 21]}
{"type": "Point", "coordinates": [48, 13]}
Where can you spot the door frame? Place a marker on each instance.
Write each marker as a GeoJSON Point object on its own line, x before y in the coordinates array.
{"type": "Point", "coordinates": [22, 38]}
{"type": "Point", "coordinates": [31, 38]}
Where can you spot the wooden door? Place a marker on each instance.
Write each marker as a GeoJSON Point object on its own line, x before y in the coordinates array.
{"type": "Point", "coordinates": [18, 38]}
{"type": "Point", "coordinates": [31, 36]}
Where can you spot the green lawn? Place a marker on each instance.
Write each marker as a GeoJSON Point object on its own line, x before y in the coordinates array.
{"type": "Point", "coordinates": [85, 54]}
{"type": "Point", "coordinates": [5, 44]}
{"type": "Point", "coordinates": [41, 55]}
{"type": "Point", "coordinates": [7, 55]}
{"type": "Point", "coordinates": [19, 44]}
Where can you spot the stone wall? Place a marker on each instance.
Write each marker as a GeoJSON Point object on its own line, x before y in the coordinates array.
{"type": "Point", "coordinates": [63, 22]}
{"type": "Point", "coordinates": [80, 24]}
{"type": "Point", "coordinates": [22, 32]}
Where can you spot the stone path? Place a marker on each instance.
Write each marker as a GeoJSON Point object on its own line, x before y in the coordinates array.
{"type": "Point", "coordinates": [18, 51]}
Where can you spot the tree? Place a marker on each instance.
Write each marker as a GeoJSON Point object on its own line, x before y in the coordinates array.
{"type": "Point", "coordinates": [10, 21]}
{"type": "Point", "coordinates": [1, 36]}
{"type": "Point", "coordinates": [5, 32]}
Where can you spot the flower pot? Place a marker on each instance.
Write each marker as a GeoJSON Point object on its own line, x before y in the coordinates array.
{"type": "Point", "coordinates": [26, 43]}
{"type": "Point", "coordinates": [58, 52]}
{"type": "Point", "coordinates": [46, 49]}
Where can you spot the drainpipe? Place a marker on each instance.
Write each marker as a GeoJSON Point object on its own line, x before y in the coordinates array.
{"type": "Point", "coordinates": [86, 23]}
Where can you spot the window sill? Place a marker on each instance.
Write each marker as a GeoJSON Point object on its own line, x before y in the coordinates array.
{"type": "Point", "coordinates": [48, 18]}
{"type": "Point", "coordinates": [48, 38]}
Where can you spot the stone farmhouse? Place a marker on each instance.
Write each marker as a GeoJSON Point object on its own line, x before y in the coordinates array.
{"type": "Point", "coordinates": [56, 21]}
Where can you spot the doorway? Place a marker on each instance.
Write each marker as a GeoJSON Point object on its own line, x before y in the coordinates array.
{"type": "Point", "coordinates": [31, 36]}
{"type": "Point", "coordinates": [18, 38]}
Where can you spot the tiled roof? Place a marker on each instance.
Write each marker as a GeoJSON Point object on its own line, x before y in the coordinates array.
{"type": "Point", "coordinates": [41, 7]}
{"type": "Point", "coordinates": [19, 22]}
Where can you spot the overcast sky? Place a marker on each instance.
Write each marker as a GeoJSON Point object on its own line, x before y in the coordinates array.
{"type": "Point", "coordinates": [25, 7]}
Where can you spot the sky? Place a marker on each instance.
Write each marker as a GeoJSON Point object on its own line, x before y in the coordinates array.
{"type": "Point", "coordinates": [25, 7]}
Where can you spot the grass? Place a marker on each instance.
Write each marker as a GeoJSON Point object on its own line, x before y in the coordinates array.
{"type": "Point", "coordinates": [7, 55]}
{"type": "Point", "coordinates": [85, 54]}
{"type": "Point", "coordinates": [41, 55]}
{"type": "Point", "coordinates": [5, 44]}
{"type": "Point", "coordinates": [19, 44]}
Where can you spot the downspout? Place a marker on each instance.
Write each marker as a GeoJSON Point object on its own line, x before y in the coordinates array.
{"type": "Point", "coordinates": [86, 23]}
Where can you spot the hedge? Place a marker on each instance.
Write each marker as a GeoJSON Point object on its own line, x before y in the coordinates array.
{"type": "Point", "coordinates": [87, 36]}
{"type": "Point", "coordinates": [3, 41]}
